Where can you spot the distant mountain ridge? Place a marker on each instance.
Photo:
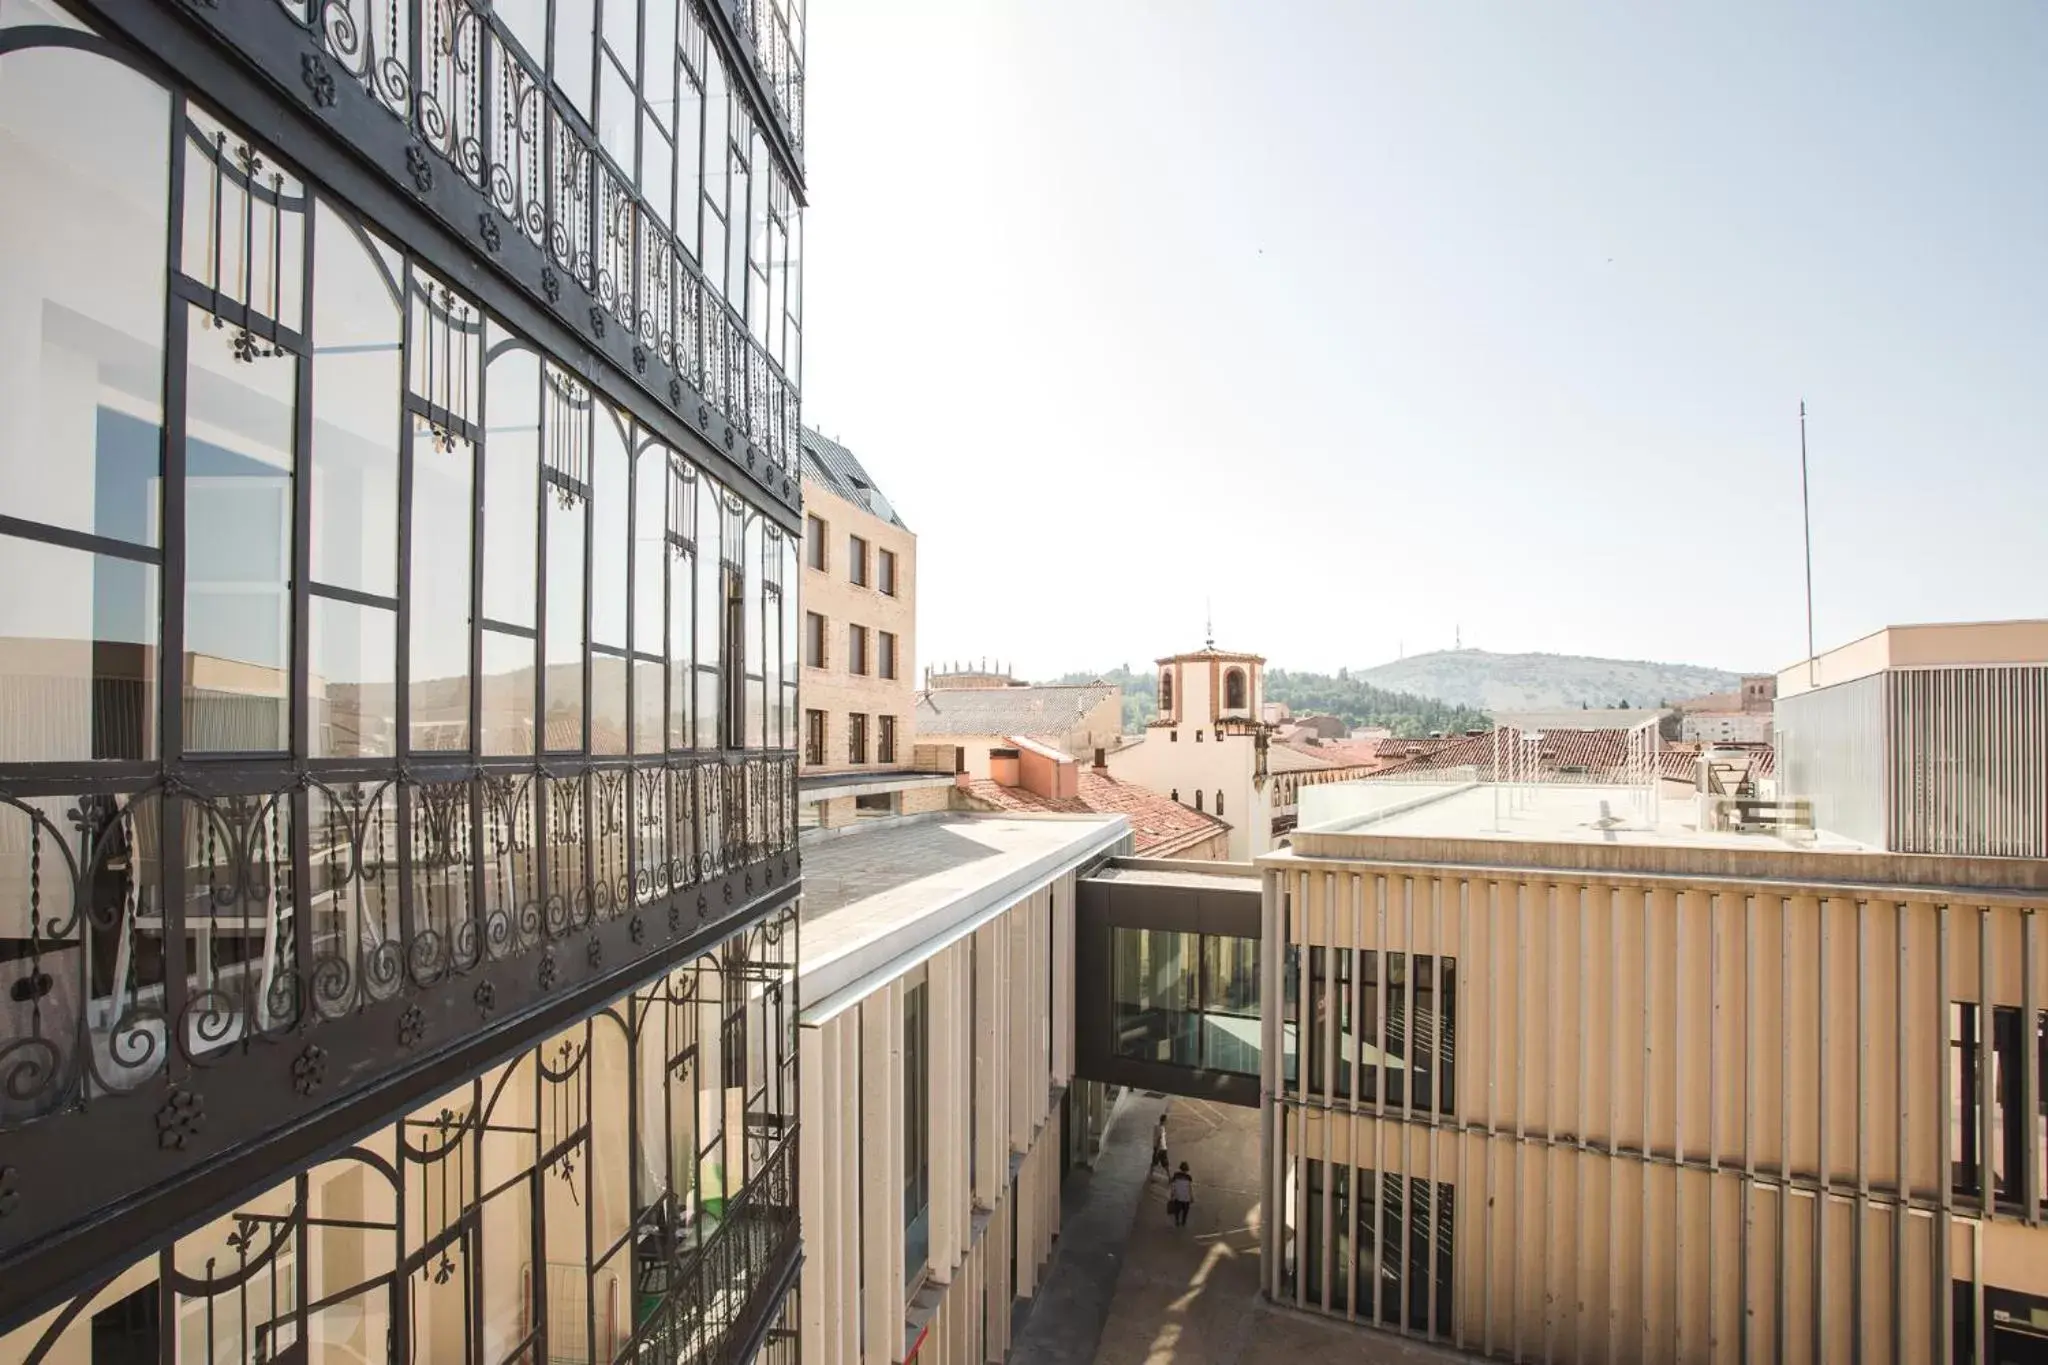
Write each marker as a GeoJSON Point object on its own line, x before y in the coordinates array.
{"type": "Point", "coordinates": [1516, 682]}
{"type": "Point", "coordinates": [1345, 696]}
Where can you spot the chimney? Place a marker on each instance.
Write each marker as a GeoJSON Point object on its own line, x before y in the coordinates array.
{"type": "Point", "coordinates": [1101, 764]}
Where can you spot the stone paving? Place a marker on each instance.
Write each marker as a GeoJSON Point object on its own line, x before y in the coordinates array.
{"type": "Point", "coordinates": [1184, 1296]}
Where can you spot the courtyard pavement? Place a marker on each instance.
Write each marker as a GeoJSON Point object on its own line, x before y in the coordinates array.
{"type": "Point", "coordinates": [1181, 1296]}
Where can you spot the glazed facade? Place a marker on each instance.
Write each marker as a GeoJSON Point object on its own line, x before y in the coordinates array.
{"type": "Point", "coordinates": [398, 679]}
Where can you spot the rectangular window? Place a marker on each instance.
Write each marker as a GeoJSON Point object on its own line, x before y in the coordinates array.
{"type": "Point", "coordinates": [814, 640]}
{"type": "Point", "coordinates": [856, 738]}
{"type": "Point", "coordinates": [1384, 1233]}
{"type": "Point", "coordinates": [857, 561]}
{"type": "Point", "coordinates": [1186, 999]}
{"type": "Point", "coordinates": [2004, 1060]}
{"type": "Point", "coordinates": [885, 746]}
{"type": "Point", "coordinates": [888, 660]}
{"type": "Point", "coordinates": [240, 462]}
{"type": "Point", "coordinates": [857, 650]}
{"type": "Point", "coordinates": [885, 576]}
{"type": "Point", "coordinates": [917, 1184]}
{"type": "Point", "coordinates": [814, 738]}
{"type": "Point", "coordinates": [814, 543]}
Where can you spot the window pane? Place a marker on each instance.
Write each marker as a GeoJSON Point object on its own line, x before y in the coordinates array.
{"type": "Point", "coordinates": [78, 656]}
{"type": "Point", "coordinates": [85, 141]}
{"type": "Point", "coordinates": [564, 685]}
{"type": "Point", "coordinates": [658, 64]}
{"type": "Point", "coordinates": [1153, 995]}
{"type": "Point", "coordinates": [238, 532]}
{"type": "Point", "coordinates": [650, 708]}
{"type": "Point", "coordinates": [622, 31]}
{"type": "Point", "coordinates": [657, 168]}
{"type": "Point", "coordinates": [682, 600]}
{"type": "Point", "coordinates": [352, 695]}
{"type": "Point", "coordinates": [511, 480]}
{"type": "Point", "coordinates": [507, 694]}
{"type": "Point", "coordinates": [617, 115]}
{"type": "Point", "coordinates": [439, 584]}
{"type": "Point", "coordinates": [357, 391]}
{"type": "Point", "coordinates": [611, 489]}
{"type": "Point", "coordinates": [607, 704]}
{"type": "Point", "coordinates": [650, 549]}
{"type": "Point", "coordinates": [574, 40]}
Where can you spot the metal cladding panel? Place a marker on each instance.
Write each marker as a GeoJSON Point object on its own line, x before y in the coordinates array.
{"type": "Point", "coordinates": [1969, 769]}
{"type": "Point", "coordinates": [1831, 750]}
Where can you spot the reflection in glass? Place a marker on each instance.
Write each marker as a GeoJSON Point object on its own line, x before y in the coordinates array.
{"type": "Point", "coordinates": [78, 655]}
{"type": "Point", "coordinates": [357, 383]}
{"type": "Point", "coordinates": [438, 658]}
{"type": "Point", "coordinates": [650, 733]}
{"type": "Point", "coordinates": [612, 488]}
{"type": "Point", "coordinates": [1154, 985]}
{"type": "Point", "coordinates": [1186, 999]}
{"type": "Point", "coordinates": [511, 479]}
{"type": "Point", "coordinates": [85, 141]}
{"type": "Point", "coordinates": [352, 694]}
{"type": "Point", "coordinates": [507, 685]}
{"type": "Point", "coordinates": [607, 703]}
{"type": "Point", "coordinates": [650, 547]}
{"type": "Point", "coordinates": [238, 537]}
{"type": "Point", "coordinates": [564, 681]}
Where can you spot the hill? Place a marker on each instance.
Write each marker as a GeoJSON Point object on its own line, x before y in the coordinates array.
{"type": "Point", "coordinates": [1342, 695]}
{"type": "Point", "coordinates": [1511, 682]}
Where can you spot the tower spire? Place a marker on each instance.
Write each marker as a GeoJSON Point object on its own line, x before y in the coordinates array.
{"type": "Point", "coordinates": [1208, 623]}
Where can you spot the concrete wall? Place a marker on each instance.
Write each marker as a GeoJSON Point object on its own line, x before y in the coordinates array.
{"type": "Point", "coordinates": [1000, 1003]}
{"type": "Point", "coordinates": [1694, 1117]}
{"type": "Point", "coordinates": [1191, 758]}
{"type": "Point", "coordinates": [832, 689]}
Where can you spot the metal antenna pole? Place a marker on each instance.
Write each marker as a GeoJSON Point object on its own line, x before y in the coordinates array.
{"type": "Point", "coordinates": [1806, 519]}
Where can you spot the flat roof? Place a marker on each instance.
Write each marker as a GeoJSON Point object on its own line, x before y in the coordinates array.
{"type": "Point", "coordinates": [1926, 645]}
{"type": "Point", "coordinates": [877, 903]}
{"type": "Point", "coordinates": [1541, 813]}
{"type": "Point", "coordinates": [1227, 877]}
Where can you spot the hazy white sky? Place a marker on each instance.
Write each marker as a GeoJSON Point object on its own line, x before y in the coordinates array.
{"type": "Point", "coordinates": [1368, 320]}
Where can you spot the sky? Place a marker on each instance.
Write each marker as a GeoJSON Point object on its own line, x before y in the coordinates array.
{"type": "Point", "coordinates": [1369, 326]}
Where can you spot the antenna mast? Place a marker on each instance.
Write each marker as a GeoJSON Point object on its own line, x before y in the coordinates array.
{"type": "Point", "coordinates": [1806, 519]}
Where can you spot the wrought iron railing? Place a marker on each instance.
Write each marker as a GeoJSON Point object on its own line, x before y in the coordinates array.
{"type": "Point", "coordinates": [458, 80]}
{"type": "Point", "coordinates": [304, 906]}
{"type": "Point", "coordinates": [764, 24]}
{"type": "Point", "coordinates": [728, 1283]}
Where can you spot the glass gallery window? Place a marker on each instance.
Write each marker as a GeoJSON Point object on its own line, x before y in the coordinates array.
{"type": "Point", "coordinates": [1186, 999]}
{"type": "Point", "coordinates": [293, 504]}
{"type": "Point", "coordinates": [496, 560]}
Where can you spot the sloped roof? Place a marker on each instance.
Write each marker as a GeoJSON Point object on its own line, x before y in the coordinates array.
{"type": "Point", "coordinates": [1051, 709]}
{"type": "Point", "coordinates": [1598, 752]}
{"type": "Point", "coordinates": [1338, 753]}
{"type": "Point", "coordinates": [1282, 758]}
{"type": "Point", "coordinates": [831, 464]}
{"type": "Point", "coordinates": [1160, 825]}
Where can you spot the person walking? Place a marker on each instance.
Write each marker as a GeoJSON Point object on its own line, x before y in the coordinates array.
{"type": "Point", "coordinates": [1180, 1195]}
{"type": "Point", "coordinates": [1159, 1161]}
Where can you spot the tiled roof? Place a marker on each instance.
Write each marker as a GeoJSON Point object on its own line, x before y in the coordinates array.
{"type": "Point", "coordinates": [1339, 753]}
{"type": "Point", "coordinates": [1284, 758]}
{"type": "Point", "coordinates": [1159, 825]}
{"type": "Point", "coordinates": [1598, 752]}
{"type": "Point", "coordinates": [829, 463]}
{"type": "Point", "coordinates": [1053, 709]}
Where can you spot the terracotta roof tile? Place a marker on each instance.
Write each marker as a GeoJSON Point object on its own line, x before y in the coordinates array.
{"type": "Point", "coordinates": [1051, 709]}
{"type": "Point", "coordinates": [1159, 824]}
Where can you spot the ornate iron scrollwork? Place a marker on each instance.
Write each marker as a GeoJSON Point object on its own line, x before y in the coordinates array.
{"type": "Point", "coordinates": [179, 1119]}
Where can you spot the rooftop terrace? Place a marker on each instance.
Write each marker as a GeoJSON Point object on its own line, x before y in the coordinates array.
{"type": "Point", "coordinates": [878, 901]}
{"type": "Point", "coordinates": [1538, 812]}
